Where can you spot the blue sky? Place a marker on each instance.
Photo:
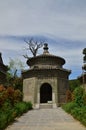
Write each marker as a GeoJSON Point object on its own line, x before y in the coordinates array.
{"type": "Point", "coordinates": [60, 23]}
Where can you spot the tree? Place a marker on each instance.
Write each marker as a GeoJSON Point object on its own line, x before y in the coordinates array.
{"type": "Point", "coordinates": [74, 84]}
{"type": "Point", "coordinates": [15, 67]}
{"type": "Point", "coordinates": [33, 46]}
{"type": "Point", "coordinates": [14, 74]}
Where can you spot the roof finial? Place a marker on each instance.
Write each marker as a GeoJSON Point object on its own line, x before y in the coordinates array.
{"type": "Point", "coordinates": [45, 48]}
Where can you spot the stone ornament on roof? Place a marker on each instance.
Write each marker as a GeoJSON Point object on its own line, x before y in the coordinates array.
{"type": "Point", "coordinates": [45, 49]}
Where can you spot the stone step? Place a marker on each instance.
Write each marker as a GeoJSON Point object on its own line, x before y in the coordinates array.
{"type": "Point", "coordinates": [45, 106]}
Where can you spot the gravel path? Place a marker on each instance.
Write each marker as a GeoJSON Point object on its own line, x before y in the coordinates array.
{"type": "Point", "coordinates": [46, 119]}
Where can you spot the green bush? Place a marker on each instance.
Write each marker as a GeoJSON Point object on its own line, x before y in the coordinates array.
{"type": "Point", "coordinates": [29, 105]}
{"type": "Point", "coordinates": [11, 105]}
{"type": "Point", "coordinates": [84, 98]}
{"type": "Point", "coordinates": [78, 96]}
{"type": "Point", "coordinates": [6, 117]}
{"type": "Point", "coordinates": [7, 105]}
{"type": "Point", "coordinates": [77, 107]}
{"type": "Point", "coordinates": [22, 107]}
{"type": "Point", "coordinates": [3, 120]}
{"type": "Point", "coordinates": [69, 106]}
{"type": "Point", "coordinates": [80, 114]}
{"type": "Point", "coordinates": [9, 112]}
{"type": "Point", "coordinates": [73, 84]}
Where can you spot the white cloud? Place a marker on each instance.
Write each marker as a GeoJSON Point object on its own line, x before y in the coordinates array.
{"type": "Point", "coordinates": [60, 18]}
{"type": "Point", "coordinates": [13, 47]}
{"type": "Point", "coordinates": [57, 20]}
{"type": "Point", "coordinates": [9, 45]}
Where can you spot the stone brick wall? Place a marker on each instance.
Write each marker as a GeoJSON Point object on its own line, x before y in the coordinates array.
{"type": "Point", "coordinates": [29, 89]}
{"type": "Point", "coordinates": [62, 88]}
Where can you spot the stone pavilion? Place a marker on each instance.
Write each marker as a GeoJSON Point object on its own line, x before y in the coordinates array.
{"type": "Point", "coordinates": [46, 81]}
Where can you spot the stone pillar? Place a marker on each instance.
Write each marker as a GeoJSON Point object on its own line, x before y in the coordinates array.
{"type": "Point", "coordinates": [53, 100]}
{"type": "Point", "coordinates": [38, 101]}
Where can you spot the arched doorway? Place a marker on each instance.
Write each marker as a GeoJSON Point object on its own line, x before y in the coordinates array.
{"type": "Point", "coordinates": [45, 93]}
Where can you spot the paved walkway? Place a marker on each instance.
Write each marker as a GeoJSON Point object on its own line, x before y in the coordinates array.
{"type": "Point", "coordinates": [46, 119]}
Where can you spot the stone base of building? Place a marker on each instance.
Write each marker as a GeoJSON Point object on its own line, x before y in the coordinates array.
{"type": "Point", "coordinates": [45, 106]}
{"type": "Point", "coordinates": [45, 91]}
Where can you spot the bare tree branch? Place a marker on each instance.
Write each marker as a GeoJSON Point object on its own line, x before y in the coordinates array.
{"type": "Point", "coordinates": [33, 46]}
{"type": "Point", "coordinates": [26, 56]}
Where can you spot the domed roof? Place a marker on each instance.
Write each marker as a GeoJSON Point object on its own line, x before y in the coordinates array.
{"type": "Point", "coordinates": [46, 59]}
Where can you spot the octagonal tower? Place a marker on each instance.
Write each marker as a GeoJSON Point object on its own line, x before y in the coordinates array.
{"type": "Point", "coordinates": [46, 81]}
